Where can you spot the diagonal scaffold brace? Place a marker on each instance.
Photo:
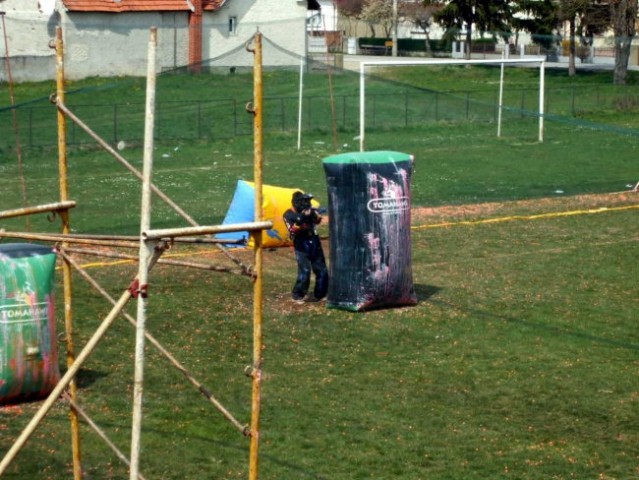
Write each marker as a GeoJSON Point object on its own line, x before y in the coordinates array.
{"type": "Point", "coordinates": [176, 363]}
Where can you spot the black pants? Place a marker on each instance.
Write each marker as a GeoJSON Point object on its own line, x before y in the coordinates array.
{"type": "Point", "coordinates": [310, 257]}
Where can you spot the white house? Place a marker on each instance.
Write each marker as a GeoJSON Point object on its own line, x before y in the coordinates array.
{"type": "Point", "coordinates": [110, 37]}
{"type": "Point", "coordinates": [27, 31]}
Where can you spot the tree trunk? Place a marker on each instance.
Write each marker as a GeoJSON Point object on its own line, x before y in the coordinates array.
{"type": "Point", "coordinates": [468, 37]}
{"type": "Point", "coordinates": [623, 13]}
{"type": "Point", "coordinates": [429, 51]}
{"type": "Point", "coordinates": [622, 55]}
{"type": "Point", "coordinates": [349, 28]}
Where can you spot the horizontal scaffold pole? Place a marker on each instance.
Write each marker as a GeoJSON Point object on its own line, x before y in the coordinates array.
{"type": "Point", "coordinates": [58, 237]}
{"type": "Point", "coordinates": [46, 208]}
{"type": "Point", "coordinates": [129, 241]}
{"type": "Point", "coordinates": [205, 230]}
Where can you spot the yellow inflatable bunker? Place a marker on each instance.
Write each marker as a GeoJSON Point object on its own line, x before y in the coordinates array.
{"type": "Point", "coordinates": [275, 201]}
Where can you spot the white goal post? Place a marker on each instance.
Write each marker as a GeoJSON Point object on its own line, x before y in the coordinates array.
{"type": "Point", "coordinates": [541, 61]}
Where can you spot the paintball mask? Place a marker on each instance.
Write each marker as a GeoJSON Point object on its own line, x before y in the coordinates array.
{"type": "Point", "coordinates": [301, 201]}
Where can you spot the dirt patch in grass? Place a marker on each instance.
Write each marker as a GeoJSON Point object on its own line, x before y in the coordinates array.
{"type": "Point", "coordinates": [425, 215]}
{"type": "Point", "coordinates": [276, 258]}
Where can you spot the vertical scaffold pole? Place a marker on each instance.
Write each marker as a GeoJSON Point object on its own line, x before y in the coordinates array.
{"type": "Point", "coordinates": [66, 267]}
{"type": "Point", "coordinates": [257, 239]}
{"type": "Point", "coordinates": [299, 106]}
{"type": "Point", "coordinates": [542, 101]}
{"type": "Point", "coordinates": [146, 252]}
{"type": "Point", "coordinates": [362, 104]}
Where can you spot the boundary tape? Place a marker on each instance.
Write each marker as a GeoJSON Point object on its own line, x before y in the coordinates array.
{"type": "Point", "coordinates": [113, 263]}
{"type": "Point", "coordinates": [513, 218]}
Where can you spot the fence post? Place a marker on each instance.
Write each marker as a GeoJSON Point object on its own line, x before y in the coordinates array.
{"type": "Point", "coordinates": [374, 110]}
{"type": "Point", "coordinates": [234, 118]}
{"type": "Point", "coordinates": [406, 109]}
{"type": "Point", "coordinates": [546, 96]}
{"type": "Point", "coordinates": [73, 139]}
{"type": "Point", "coordinates": [31, 127]}
{"type": "Point", "coordinates": [343, 111]}
{"type": "Point", "coordinates": [115, 123]}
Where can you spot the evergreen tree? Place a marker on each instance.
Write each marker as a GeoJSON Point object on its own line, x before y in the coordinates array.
{"type": "Point", "coordinates": [486, 15]}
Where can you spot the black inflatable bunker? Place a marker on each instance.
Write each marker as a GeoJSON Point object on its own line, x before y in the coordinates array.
{"type": "Point", "coordinates": [369, 227]}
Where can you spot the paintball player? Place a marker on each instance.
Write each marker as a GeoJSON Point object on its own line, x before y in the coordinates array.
{"type": "Point", "coordinates": [301, 221]}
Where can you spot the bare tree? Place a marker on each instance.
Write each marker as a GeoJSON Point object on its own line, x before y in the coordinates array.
{"type": "Point", "coordinates": [349, 10]}
{"type": "Point", "coordinates": [349, 7]}
{"type": "Point", "coordinates": [378, 12]}
{"type": "Point", "coordinates": [623, 14]}
{"type": "Point", "coordinates": [572, 11]}
{"type": "Point", "coordinates": [421, 16]}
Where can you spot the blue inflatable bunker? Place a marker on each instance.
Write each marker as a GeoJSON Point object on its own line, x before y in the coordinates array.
{"type": "Point", "coordinates": [275, 201]}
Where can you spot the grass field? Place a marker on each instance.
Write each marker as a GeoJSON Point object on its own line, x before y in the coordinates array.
{"type": "Point", "coordinates": [455, 164]}
{"type": "Point", "coordinates": [520, 361]}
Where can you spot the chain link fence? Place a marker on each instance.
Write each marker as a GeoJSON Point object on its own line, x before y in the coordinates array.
{"type": "Point", "coordinates": [217, 119]}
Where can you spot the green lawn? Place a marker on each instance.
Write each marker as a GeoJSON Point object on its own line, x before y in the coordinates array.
{"type": "Point", "coordinates": [520, 360]}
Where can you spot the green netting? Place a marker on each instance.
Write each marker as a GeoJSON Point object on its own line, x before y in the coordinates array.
{"type": "Point", "coordinates": [445, 116]}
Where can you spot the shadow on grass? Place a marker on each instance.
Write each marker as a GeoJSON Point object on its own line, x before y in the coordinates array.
{"type": "Point", "coordinates": [86, 377]}
{"type": "Point", "coordinates": [425, 292]}
{"type": "Point", "coordinates": [302, 472]}
{"type": "Point", "coordinates": [537, 326]}
{"type": "Point", "coordinates": [264, 458]}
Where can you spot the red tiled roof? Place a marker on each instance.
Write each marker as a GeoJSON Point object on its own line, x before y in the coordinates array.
{"type": "Point", "coordinates": [118, 6]}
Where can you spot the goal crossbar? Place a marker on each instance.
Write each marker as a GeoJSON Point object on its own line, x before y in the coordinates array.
{"type": "Point", "coordinates": [541, 61]}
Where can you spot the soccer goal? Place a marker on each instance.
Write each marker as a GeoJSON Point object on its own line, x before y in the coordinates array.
{"type": "Point", "coordinates": [406, 63]}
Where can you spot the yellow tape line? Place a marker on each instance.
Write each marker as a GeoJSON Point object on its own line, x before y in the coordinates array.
{"type": "Point", "coordinates": [527, 217]}
{"type": "Point", "coordinates": [114, 263]}
{"type": "Point", "coordinates": [435, 225]}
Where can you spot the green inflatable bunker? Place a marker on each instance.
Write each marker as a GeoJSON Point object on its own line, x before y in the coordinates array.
{"type": "Point", "coordinates": [28, 352]}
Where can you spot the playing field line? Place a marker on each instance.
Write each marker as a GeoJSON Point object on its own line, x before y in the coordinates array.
{"type": "Point", "coordinates": [512, 218]}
